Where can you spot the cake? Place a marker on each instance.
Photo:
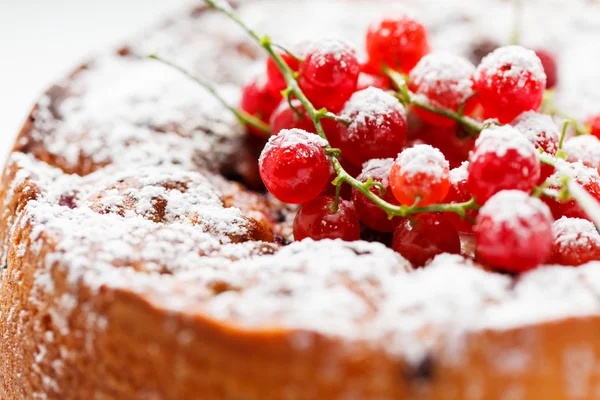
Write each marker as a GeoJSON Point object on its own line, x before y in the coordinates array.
{"type": "Point", "coordinates": [140, 261]}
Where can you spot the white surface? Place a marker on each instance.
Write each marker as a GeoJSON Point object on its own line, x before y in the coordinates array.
{"type": "Point", "coordinates": [41, 40]}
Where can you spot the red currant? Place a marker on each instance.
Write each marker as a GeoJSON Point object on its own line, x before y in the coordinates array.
{"type": "Point", "coordinates": [513, 232]}
{"type": "Point", "coordinates": [369, 213]}
{"type": "Point", "coordinates": [446, 81]}
{"type": "Point", "coordinates": [586, 177]}
{"type": "Point", "coordinates": [451, 141]}
{"type": "Point", "coordinates": [275, 77]}
{"type": "Point", "coordinates": [576, 242]}
{"type": "Point", "coordinates": [318, 220]}
{"type": "Point", "coordinates": [377, 127]}
{"type": "Point", "coordinates": [329, 74]}
{"type": "Point", "coordinates": [550, 67]}
{"type": "Point", "coordinates": [509, 81]}
{"type": "Point", "coordinates": [503, 159]}
{"type": "Point", "coordinates": [423, 236]}
{"type": "Point", "coordinates": [459, 193]}
{"type": "Point", "coordinates": [584, 148]}
{"type": "Point", "coordinates": [420, 172]}
{"type": "Point", "coordinates": [594, 124]}
{"type": "Point", "coordinates": [543, 133]}
{"type": "Point", "coordinates": [294, 166]}
{"type": "Point", "coordinates": [284, 117]}
{"type": "Point", "coordinates": [259, 101]}
{"type": "Point", "coordinates": [398, 43]}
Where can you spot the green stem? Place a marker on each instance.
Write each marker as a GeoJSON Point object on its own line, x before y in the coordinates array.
{"type": "Point", "coordinates": [409, 98]}
{"type": "Point", "coordinates": [242, 116]}
{"type": "Point", "coordinates": [515, 36]}
{"type": "Point", "coordinates": [316, 116]}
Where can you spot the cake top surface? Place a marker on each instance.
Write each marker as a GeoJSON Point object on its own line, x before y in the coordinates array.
{"type": "Point", "coordinates": [122, 159]}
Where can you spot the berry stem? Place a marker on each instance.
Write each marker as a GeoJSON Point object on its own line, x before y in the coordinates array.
{"type": "Point", "coordinates": [585, 200]}
{"type": "Point", "coordinates": [316, 116]}
{"type": "Point", "coordinates": [515, 36]}
{"type": "Point", "coordinates": [242, 116]}
{"type": "Point", "coordinates": [409, 98]}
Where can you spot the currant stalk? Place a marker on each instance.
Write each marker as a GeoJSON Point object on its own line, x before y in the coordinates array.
{"type": "Point", "coordinates": [408, 98]}
{"type": "Point", "coordinates": [244, 117]}
{"type": "Point", "coordinates": [317, 114]}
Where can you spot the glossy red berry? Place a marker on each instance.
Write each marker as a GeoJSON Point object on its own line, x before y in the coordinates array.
{"type": "Point", "coordinates": [459, 193]}
{"type": "Point", "coordinates": [576, 242]}
{"type": "Point", "coordinates": [586, 177]}
{"type": "Point", "coordinates": [503, 159]}
{"type": "Point", "coordinates": [284, 117]}
{"type": "Point", "coordinates": [294, 167]}
{"type": "Point", "coordinates": [594, 125]}
{"type": "Point", "coordinates": [420, 172]}
{"type": "Point", "coordinates": [318, 220]}
{"type": "Point", "coordinates": [259, 100]}
{"type": "Point", "coordinates": [543, 133]}
{"type": "Point", "coordinates": [446, 81]}
{"type": "Point", "coordinates": [377, 129]}
{"type": "Point", "coordinates": [584, 148]}
{"type": "Point", "coordinates": [509, 81]}
{"type": "Point", "coordinates": [423, 236]}
{"type": "Point", "coordinates": [513, 232]}
{"type": "Point", "coordinates": [398, 43]}
{"type": "Point", "coordinates": [275, 78]}
{"type": "Point", "coordinates": [550, 67]}
{"type": "Point", "coordinates": [367, 80]}
{"type": "Point", "coordinates": [329, 74]}
{"type": "Point", "coordinates": [452, 141]}
{"type": "Point", "coordinates": [369, 213]}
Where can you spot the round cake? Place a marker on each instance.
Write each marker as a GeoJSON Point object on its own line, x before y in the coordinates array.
{"type": "Point", "coordinates": [142, 259]}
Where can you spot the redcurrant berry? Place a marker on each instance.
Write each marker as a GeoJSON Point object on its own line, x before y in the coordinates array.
{"type": "Point", "coordinates": [503, 159]}
{"type": "Point", "coordinates": [420, 173]}
{"type": "Point", "coordinates": [509, 81]}
{"type": "Point", "coordinates": [329, 74]}
{"type": "Point", "coordinates": [594, 125]}
{"type": "Point", "coordinates": [275, 77]}
{"type": "Point", "coordinates": [398, 43]}
{"type": "Point", "coordinates": [446, 81]}
{"type": "Point", "coordinates": [513, 232]}
{"type": "Point", "coordinates": [584, 148]}
{"type": "Point", "coordinates": [259, 101]}
{"type": "Point", "coordinates": [586, 177]}
{"type": "Point", "coordinates": [423, 236]}
{"type": "Point", "coordinates": [550, 67]}
{"type": "Point", "coordinates": [543, 133]}
{"type": "Point", "coordinates": [293, 166]}
{"type": "Point", "coordinates": [284, 117]}
{"type": "Point", "coordinates": [369, 213]}
{"type": "Point", "coordinates": [318, 220]}
{"type": "Point", "coordinates": [576, 242]}
{"type": "Point", "coordinates": [377, 127]}
{"type": "Point", "coordinates": [453, 142]}
{"type": "Point", "coordinates": [459, 193]}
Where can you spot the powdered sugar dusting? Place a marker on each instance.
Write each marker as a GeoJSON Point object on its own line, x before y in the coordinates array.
{"type": "Point", "coordinates": [577, 170]}
{"type": "Point", "coordinates": [302, 143]}
{"type": "Point", "coordinates": [575, 233]}
{"type": "Point", "coordinates": [512, 62]}
{"type": "Point", "coordinates": [501, 139]}
{"type": "Point", "coordinates": [539, 129]}
{"type": "Point", "coordinates": [510, 206]}
{"type": "Point", "coordinates": [584, 148]}
{"type": "Point", "coordinates": [460, 173]}
{"type": "Point", "coordinates": [372, 104]}
{"type": "Point", "coordinates": [423, 159]}
{"type": "Point", "coordinates": [443, 73]}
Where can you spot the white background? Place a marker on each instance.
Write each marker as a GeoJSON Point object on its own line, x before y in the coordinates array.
{"type": "Point", "coordinates": [42, 40]}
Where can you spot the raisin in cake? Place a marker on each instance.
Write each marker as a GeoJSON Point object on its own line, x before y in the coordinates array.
{"type": "Point", "coordinates": [136, 266]}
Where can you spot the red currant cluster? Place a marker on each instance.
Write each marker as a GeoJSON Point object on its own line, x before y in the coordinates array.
{"type": "Point", "coordinates": [479, 158]}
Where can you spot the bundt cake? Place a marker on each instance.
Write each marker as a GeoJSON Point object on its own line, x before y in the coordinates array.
{"type": "Point", "coordinates": [142, 260]}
